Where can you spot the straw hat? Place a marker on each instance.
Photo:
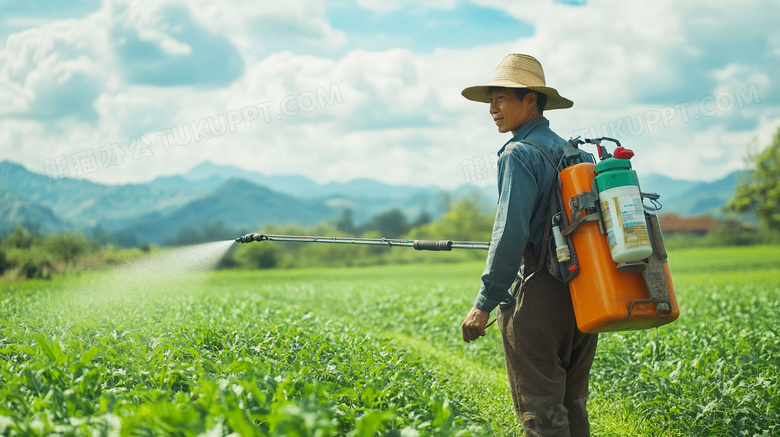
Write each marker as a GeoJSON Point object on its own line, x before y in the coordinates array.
{"type": "Point", "coordinates": [518, 71]}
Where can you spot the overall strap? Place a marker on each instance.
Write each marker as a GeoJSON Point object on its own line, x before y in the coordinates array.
{"type": "Point", "coordinates": [548, 225]}
{"type": "Point", "coordinates": [544, 151]}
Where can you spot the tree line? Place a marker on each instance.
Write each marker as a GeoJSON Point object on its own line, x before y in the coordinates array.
{"type": "Point", "coordinates": [26, 253]}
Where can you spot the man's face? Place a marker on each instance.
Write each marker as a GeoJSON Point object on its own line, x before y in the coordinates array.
{"type": "Point", "coordinates": [510, 113]}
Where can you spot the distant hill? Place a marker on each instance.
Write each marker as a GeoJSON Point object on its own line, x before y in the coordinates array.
{"type": "Point", "coordinates": [88, 204]}
{"type": "Point", "coordinates": [154, 211]}
{"type": "Point", "coordinates": [301, 186]}
{"type": "Point", "coordinates": [365, 197]}
{"type": "Point", "coordinates": [686, 198]}
{"type": "Point", "coordinates": [15, 210]}
{"type": "Point", "coordinates": [293, 185]}
{"type": "Point", "coordinates": [667, 187]}
{"type": "Point", "coordinates": [236, 203]}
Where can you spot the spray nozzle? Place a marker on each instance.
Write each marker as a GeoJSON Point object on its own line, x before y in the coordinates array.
{"type": "Point", "coordinates": [248, 238]}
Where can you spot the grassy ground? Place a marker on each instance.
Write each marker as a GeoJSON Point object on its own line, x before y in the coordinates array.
{"type": "Point", "coordinates": [367, 350]}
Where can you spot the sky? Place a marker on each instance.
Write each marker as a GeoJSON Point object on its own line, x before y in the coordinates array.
{"type": "Point", "coordinates": [124, 91]}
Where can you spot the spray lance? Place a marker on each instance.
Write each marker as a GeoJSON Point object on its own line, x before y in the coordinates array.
{"type": "Point", "coordinates": [435, 245]}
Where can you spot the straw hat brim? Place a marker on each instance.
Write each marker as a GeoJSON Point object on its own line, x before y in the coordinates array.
{"type": "Point", "coordinates": [479, 93]}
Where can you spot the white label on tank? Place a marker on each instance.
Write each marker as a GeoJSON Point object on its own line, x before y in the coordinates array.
{"type": "Point", "coordinates": [633, 217]}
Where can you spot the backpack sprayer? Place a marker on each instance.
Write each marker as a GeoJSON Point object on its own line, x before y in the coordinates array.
{"type": "Point", "coordinates": [608, 245]}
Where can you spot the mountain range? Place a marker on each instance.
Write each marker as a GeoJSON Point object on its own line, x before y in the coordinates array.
{"type": "Point", "coordinates": [244, 201]}
{"type": "Point", "coordinates": [690, 198]}
{"type": "Point", "coordinates": [158, 210]}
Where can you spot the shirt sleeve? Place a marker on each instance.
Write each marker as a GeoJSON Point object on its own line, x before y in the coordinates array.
{"type": "Point", "coordinates": [518, 191]}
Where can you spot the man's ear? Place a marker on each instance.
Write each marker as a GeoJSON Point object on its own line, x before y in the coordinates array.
{"type": "Point", "coordinates": [532, 97]}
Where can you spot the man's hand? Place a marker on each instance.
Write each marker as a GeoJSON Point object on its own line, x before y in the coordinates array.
{"type": "Point", "coordinates": [474, 325]}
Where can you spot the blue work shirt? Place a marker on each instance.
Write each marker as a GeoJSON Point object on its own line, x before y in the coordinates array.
{"type": "Point", "coordinates": [524, 181]}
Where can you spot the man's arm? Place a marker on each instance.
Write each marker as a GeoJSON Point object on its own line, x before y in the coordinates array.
{"type": "Point", "coordinates": [517, 195]}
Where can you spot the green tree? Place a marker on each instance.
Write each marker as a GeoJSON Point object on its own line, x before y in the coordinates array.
{"type": "Point", "coordinates": [30, 270]}
{"type": "Point", "coordinates": [66, 246]}
{"type": "Point", "coordinates": [21, 238]}
{"type": "Point", "coordinates": [4, 264]}
{"type": "Point", "coordinates": [391, 224]}
{"type": "Point", "coordinates": [423, 219]}
{"type": "Point", "coordinates": [466, 220]}
{"type": "Point", "coordinates": [260, 255]}
{"type": "Point", "coordinates": [760, 191]}
{"type": "Point", "coordinates": [345, 223]}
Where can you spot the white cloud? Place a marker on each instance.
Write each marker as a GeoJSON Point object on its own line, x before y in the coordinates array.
{"type": "Point", "coordinates": [147, 19]}
{"type": "Point", "coordinates": [393, 5]}
{"type": "Point", "coordinates": [53, 70]}
{"type": "Point", "coordinates": [261, 28]}
{"type": "Point", "coordinates": [734, 76]}
{"type": "Point", "coordinates": [400, 118]}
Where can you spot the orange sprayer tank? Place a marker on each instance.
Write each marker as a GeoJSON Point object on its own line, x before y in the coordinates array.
{"type": "Point", "coordinates": [603, 298]}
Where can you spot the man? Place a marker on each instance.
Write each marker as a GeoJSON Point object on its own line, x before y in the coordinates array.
{"type": "Point", "coordinates": [548, 359]}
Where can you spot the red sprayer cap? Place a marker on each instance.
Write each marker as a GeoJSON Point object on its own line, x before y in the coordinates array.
{"type": "Point", "coordinates": [623, 153]}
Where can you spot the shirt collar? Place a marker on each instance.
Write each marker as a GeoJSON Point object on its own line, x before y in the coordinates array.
{"type": "Point", "coordinates": [526, 130]}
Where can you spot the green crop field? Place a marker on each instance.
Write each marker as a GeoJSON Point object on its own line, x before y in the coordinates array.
{"type": "Point", "coordinates": [366, 351]}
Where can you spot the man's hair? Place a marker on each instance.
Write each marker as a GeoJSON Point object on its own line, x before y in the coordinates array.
{"type": "Point", "coordinates": [541, 98]}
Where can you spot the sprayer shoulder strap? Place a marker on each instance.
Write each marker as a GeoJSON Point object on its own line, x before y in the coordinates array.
{"type": "Point", "coordinates": [544, 151]}
{"type": "Point", "coordinates": [554, 192]}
